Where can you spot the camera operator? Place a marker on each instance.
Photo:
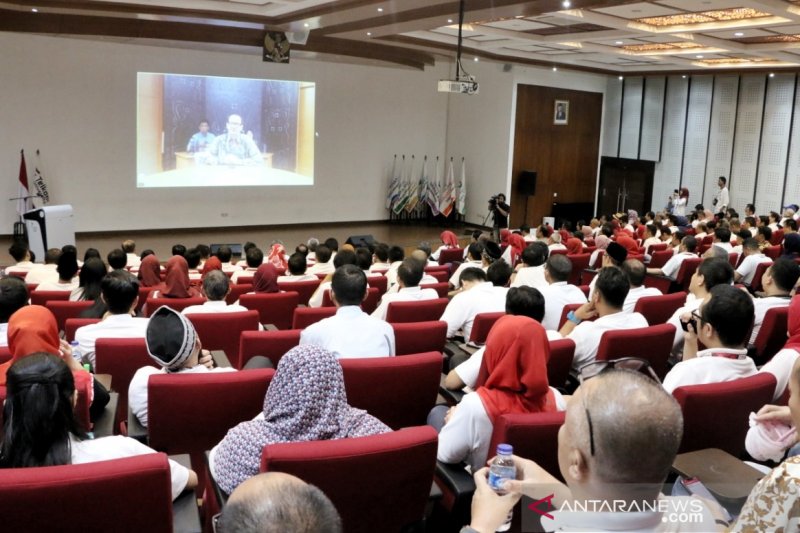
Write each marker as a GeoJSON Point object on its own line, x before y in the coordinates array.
{"type": "Point", "coordinates": [499, 210]}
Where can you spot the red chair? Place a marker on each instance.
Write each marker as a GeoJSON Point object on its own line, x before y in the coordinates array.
{"type": "Point", "coordinates": [63, 310]}
{"type": "Point", "coordinates": [72, 324]}
{"type": "Point", "coordinates": [379, 282]}
{"type": "Point", "coordinates": [245, 280]}
{"type": "Point", "coordinates": [533, 435]}
{"type": "Point", "coordinates": [236, 293]}
{"type": "Point", "coordinates": [658, 309]}
{"type": "Point", "coordinates": [588, 275]}
{"type": "Point", "coordinates": [733, 259]}
{"type": "Point", "coordinates": [178, 304]}
{"type": "Point", "coordinates": [421, 311]}
{"type": "Point", "coordinates": [773, 252]}
{"type": "Point", "coordinates": [305, 316]}
{"type": "Point", "coordinates": [390, 492]}
{"type": "Point", "coordinates": [660, 247]}
{"type": "Point", "coordinates": [441, 275]}
{"type": "Point", "coordinates": [755, 284]}
{"type": "Point", "coordinates": [686, 271]}
{"type": "Point", "coordinates": [772, 335]}
{"type": "Point", "coordinates": [42, 297]}
{"type": "Point", "coordinates": [419, 337]}
{"type": "Point", "coordinates": [430, 269]}
{"type": "Point", "coordinates": [368, 305]}
{"type": "Point", "coordinates": [482, 325]}
{"type": "Point", "coordinates": [777, 238]}
{"type": "Point", "coordinates": [562, 352]}
{"type": "Point", "coordinates": [144, 294]}
{"type": "Point", "coordinates": [450, 255]}
{"type": "Point", "coordinates": [271, 344]}
{"type": "Point", "coordinates": [273, 308]}
{"type": "Point", "coordinates": [580, 262]}
{"type": "Point", "coordinates": [36, 499]}
{"type": "Point", "coordinates": [399, 391]}
{"type": "Point", "coordinates": [597, 261]}
{"type": "Point", "coordinates": [305, 289]}
{"type": "Point", "coordinates": [441, 288]}
{"type": "Point", "coordinates": [653, 343]}
{"type": "Point", "coordinates": [562, 251]}
{"type": "Point", "coordinates": [221, 331]}
{"type": "Point", "coordinates": [121, 358]}
{"type": "Point", "coordinates": [659, 258]}
{"type": "Point", "coordinates": [716, 415]}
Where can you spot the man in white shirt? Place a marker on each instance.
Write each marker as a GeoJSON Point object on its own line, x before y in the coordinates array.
{"type": "Point", "coordinates": [254, 257]}
{"type": "Point", "coordinates": [22, 255]}
{"type": "Point", "coordinates": [525, 231]}
{"type": "Point", "coordinates": [129, 247]}
{"type": "Point", "coordinates": [224, 254]}
{"type": "Point", "coordinates": [752, 258]}
{"type": "Point", "coordinates": [350, 332]}
{"type": "Point", "coordinates": [614, 257]}
{"type": "Point", "coordinates": [474, 259]}
{"type": "Point", "coordinates": [45, 273]}
{"type": "Point", "coordinates": [722, 239]}
{"type": "Point", "coordinates": [484, 292]}
{"type": "Point", "coordinates": [297, 269]}
{"type": "Point", "coordinates": [324, 265]}
{"type": "Point", "coordinates": [13, 296]}
{"type": "Point", "coordinates": [530, 272]}
{"type": "Point", "coordinates": [67, 269]}
{"type": "Point", "coordinates": [120, 292]}
{"type": "Point", "coordinates": [635, 270]}
{"type": "Point", "coordinates": [345, 257]}
{"type": "Point", "coordinates": [558, 293]}
{"type": "Point", "coordinates": [216, 287]}
{"type": "Point", "coordinates": [173, 344]}
{"type": "Point", "coordinates": [722, 198]}
{"type": "Point", "coordinates": [722, 325]}
{"type": "Point", "coordinates": [673, 265]}
{"type": "Point", "coordinates": [409, 275]}
{"type": "Point", "coordinates": [380, 258]}
{"type": "Point", "coordinates": [554, 242]}
{"type": "Point", "coordinates": [777, 284]}
{"type": "Point", "coordinates": [606, 305]}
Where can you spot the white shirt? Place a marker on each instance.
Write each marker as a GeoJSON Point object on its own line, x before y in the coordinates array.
{"type": "Point", "coordinates": [379, 267]}
{"type": "Point", "coordinates": [391, 273]}
{"type": "Point", "coordinates": [481, 298]}
{"type": "Point", "coordinates": [119, 447]}
{"type": "Point", "coordinates": [22, 266]}
{"type": "Point", "coordinates": [673, 265]}
{"type": "Point", "coordinates": [133, 261]}
{"type": "Point", "coordinates": [111, 327]}
{"type": "Point", "coordinates": [4, 334]}
{"type": "Point", "coordinates": [635, 293]}
{"type": "Point", "coordinates": [351, 333]}
{"type": "Point", "coordinates": [408, 294]}
{"type": "Point", "coordinates": [290, 278]}
{"type": "Point", "coordinates": [556, 246]}
{"type": "Point", "coordinates": [587, 334]}
{"type": "Point", "coordinates": [706, 368]}
{"type": "Point", "coordinates": [57, 286]}
{"type": "Point", "coordinates": [247, 272]}
{"type": "Point", "coordinates": [781, 366]}
{"type": "Point", "coordinates": [530, 277]}
{"type": "Point", "coordinates": [137, 390]}
{"type": "Point", "coordinates": [692, 304]}
{"type": "Point", "coordinates": [722, 200]}
{"type": "Point", "coordinates": [761, 306]}
{"type": "Point", "coordinates": [42, 274]}
{"type": "Point", "coordinates": [210, 306]}
{"type": "Point", "coordinates": [724, 245]}
{"type": "Point", "coordinates": [556, 296]}
{"type": "Point", "coordinates": [748, 267]}
{"type": "Point", "coordinates": [316, 298]}
{"type": "Point", "coordinates": [679, 207]}
{"type": "Point", "coordinates": [649, 242]}
{"type": "Point", "coordinates": [230, 267]}
{"type": "Point", "coordinates": [455, 279]}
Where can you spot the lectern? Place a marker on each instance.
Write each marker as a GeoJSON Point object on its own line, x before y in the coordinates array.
{"type": "Point", "coordinates": [48, 227]}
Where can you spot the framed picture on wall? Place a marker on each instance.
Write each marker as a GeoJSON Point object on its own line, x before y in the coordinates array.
{"type": "Point", "coordinates": [561, 112]}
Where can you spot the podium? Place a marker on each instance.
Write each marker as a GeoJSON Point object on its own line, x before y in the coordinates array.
{"type": "Point", "coordinates": [48, 227]}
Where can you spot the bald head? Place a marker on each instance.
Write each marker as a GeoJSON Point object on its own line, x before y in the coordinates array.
{"type": "Point", "coordinates": [276, 503]}
{"type": "Point", "coordinates": [636, 426]}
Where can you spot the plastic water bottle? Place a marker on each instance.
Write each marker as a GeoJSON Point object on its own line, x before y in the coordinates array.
{"type": "Point", "coordinates": [76, 351]}
{"type": "Point", "coordinates": [503, 468]}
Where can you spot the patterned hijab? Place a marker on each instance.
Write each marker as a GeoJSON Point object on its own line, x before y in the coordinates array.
{"type": "Point", "coordinates": [449, 239]}
{"type": "Point", "coordinates": [601, 242]}
{"type": "Point", "coordinates": [150, 272]}
{"type": "Point", "coordinates": [177, 282]}
{"type": "Point", "coordinates": [266, 279]}
{"type": "Point", "coordinates": [277, 257]}
{"type": "Point", "coordinates": [306, 401]}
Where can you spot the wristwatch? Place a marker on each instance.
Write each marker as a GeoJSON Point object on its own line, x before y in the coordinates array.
{"type": "Point", "coordinates": [573, 318]}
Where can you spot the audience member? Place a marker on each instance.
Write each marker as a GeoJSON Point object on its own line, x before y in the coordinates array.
{"type": "Point", "coordinates": [409, 275]}
{"type": "Point", "coordinates": [324, 265]}
{"type": "Point", "coordinates": [782, 362]}
{"type": "Point", "coordinates": [129, 247]}
{"type": "Point", "coordinates": [752, 258]}
{"type": "Point", "coordinates": [635, 271]}
{"type": "Point", "coordinates": [558, 292]}
{"type": "Point", "coordinates": [474, 260]}
{"type": "Point", "coordinates": [277, 256]}
{"type": "Point", "coordinates": [216, 288]}
{"type": "Point", "coordinates": [89, 280]}
{"type": "Point", "coordinates": [45, 273]}
{"type": "Point", "coordinates": [380, 258]}
{"type": "Point", "coordinates": [530, 272]}
{"type": "Point", "coordinates": [297, 269]}
{"type": "Point", "coordinates": [178, 249]}
{"type": "Point", "coordinates": [673, 265]}
{"type": "Point", "coordinates": [67, 268]}
{"type": "Point", "coordinates": [615, 255]}
{"type": "Point", "coordinates": [478, 295]}
{"type": "Point", "coordinates": [13, 297]}
{"type": "Point", "coordinates": [449, 240]}
{"type": "Point", "coordinates": [149, 272]}
{"type": "Point", "coordinates": [254, 258]}
{"type": "Point", "coordinates": [21, 253]}
{"type": "Point", "coordinates": [176, 284]}
{"type": "Point", "coordinates": [193, 262]}
{"type": "Point", "coordinates": [224, 254]}
{"type": "Point", "coordinates": [777, 283]}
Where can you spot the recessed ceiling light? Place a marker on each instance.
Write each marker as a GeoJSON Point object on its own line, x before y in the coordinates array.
{"type": "Point", "coordinates": [738, 34]}
{"type": "Point", "coordinates": [476, 59]}
{"type": "Point", "coordinates": [684, 76]}
{"type": "Point", "coordinates": [771, 74]}
{"type": "Point", "coordinates": [380, 10]}
{"type": "Point", "coordinates": [618, 42]}
{"type": "Point", "coordinates": [305, 25]}
{"type": "Point", "coordinates": [555, 69]}
{"type": "Point", "coordinates": [621, 78]}
{"type": "Point", "coordinates": [566, 4]}
{"type": "Point", "coordinates": [369, 34]}
{"type": "Point", "coordinates": [699, 57]}
{"type": "Point", "coordinates": [449, 21]}
{"type": "Point", "coordinates": [35, 10]}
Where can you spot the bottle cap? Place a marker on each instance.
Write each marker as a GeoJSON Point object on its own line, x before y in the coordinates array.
{"type": "Point", "coordinates": [505, 449]}
{"type": "Point", "coordinates": [73, 343]}
{"type": "Point", "coordinates": [87, 367]}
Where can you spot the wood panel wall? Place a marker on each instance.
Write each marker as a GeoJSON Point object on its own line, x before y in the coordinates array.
{"type": "Point", "coordinates": [564, 156]}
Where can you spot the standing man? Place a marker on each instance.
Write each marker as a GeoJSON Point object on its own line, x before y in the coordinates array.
{"type": "Point", "coordinates": [722, 199]}
{"type": "Point", "coordinates": [499, 209]}
{"type": "Point", "coordinates": [234, 148]}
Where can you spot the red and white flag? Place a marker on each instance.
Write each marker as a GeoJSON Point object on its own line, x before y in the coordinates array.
{"type": "Point", "coordinates": [24, 204]}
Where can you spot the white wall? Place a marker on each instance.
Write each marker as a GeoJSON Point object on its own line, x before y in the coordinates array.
{"type": "Point", "coordinates": [75, 101]}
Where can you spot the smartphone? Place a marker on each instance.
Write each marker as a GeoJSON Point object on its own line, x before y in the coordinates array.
{"type": "Point", "coordinates": [696, 488]}
{"type": "Point", "coordinates": [685, 325]}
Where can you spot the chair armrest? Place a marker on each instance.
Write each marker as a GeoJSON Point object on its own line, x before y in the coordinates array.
{"type": "Point", "coordinates": [222, 497]}
{"type": "Point", "coordinates": [135, 428]}
{"type": "Point", "coordinates": [453, 347]}
{"type": "Point", "coordinates": [104, 426]}
{"type": "Point", "coordinates": [270, 327]}
{"type": "Point", "coordinates": [452, 397]}
{"type": "Point", "coordinates": [662, 283]}
{"type": "Point", "coordinates": [455, 478]}
{"type": "Point", "coordinates": [185, 514]}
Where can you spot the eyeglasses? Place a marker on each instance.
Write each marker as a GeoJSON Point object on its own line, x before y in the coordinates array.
{"type": "Point", "coordinates": [696, 314]}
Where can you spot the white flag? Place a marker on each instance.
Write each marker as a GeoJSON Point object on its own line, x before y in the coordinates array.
{"type": "Point", "coordinates": [448, 196]}
{"type": "Point", "coordinates": [461, 205]}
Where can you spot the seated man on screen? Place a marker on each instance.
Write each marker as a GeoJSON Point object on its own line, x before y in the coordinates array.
{"type": "Point", "coordinates": [201, 140]}
{"type": "Point", "coordinates": [234, 148]}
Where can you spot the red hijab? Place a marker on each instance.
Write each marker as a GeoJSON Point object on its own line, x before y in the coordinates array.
{"type": "Point", "coordinates": [277, 256]}
{"type": "Point", "coordinates": [793, 325]}
{"type": "Point", "coordinates": [628, 243]}
{"type": "Point", "coordinates": [574, 246]}
{"type": "Point", "coordinates": [449, 239]}
{"type": "Point", "coordinates": [505, 235]}
{"type": "Point", "coordinates": [150, 272]}
{"type": "Point", "coordinates": [513, 375]}
{"type": "Point", "coordinates": [177, 282]}
{"type": "Point", "coordinates": [517, 243]}
{"type": "Point", "coordinates": [266, 279]}
{"type": "Point", "coordinates": [212, 263]}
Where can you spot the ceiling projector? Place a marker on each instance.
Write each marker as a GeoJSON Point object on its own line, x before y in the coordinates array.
{"type": "Point", "coordinates": [463, 86]}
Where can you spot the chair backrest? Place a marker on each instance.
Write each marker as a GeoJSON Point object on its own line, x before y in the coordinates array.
{"type": "Point", "coordinates": [441, 288]}
{"type": "Point", "coordinates": [399, 391]}
{"type": "Point", "coordinates": [716, 415]}
{"type": "Point", "coordinates": [395, 472]}
{"type": "Point", "coordinates": [419, 337]}
{"type": "Point", "coordinates": [72, 324]}
{"type": "Point", "coordinates": [449, 255]}
{"type": "Point", "coordinates": [245, 280]}
{"type": "Point", "coordinates": [686, 271]}
{"type": "Point", "coordinates": [777, 237]}
{"type": "Point", "coordinates": [658, 309]}
{"type": "Point", "coordinates": [773, 252]}
{"type": "Point", "coordinates": [273, 308]}
{"type": "Point", "coordinates": [121, 358]}
{"type": "Point", "coordinates": [580, 262]}
{"type": "Point", "coordinates": [416, 311]}
{"type": "Point", "coordinates": [659, 258]}
{"type": "Point", "coordinates": [772, 335]}
{"type": "Point", "coordinates": [305, 316]}
{"type": "Point", "coordinates": [304, 288]}
{"type": "Point", "coordinates": [565, 312]}
{"type": "Point", "coordinates": [755, 284]}
{"type": "Point", "coordinates": [270, 344]}
{"type": "Point", "coordinates": [534, 436]}
{"type": "Point", "coordinates": [42, 297]}
{"type": "Point", "coordinates": [38, 499]}
{"type": "Point", "coordinates": [653, 343]}
{"type": "Point", "coordinates": [733, 259]}
{"type": "Point", "coordinates": [562, 251]}
{"type": "Point", "coordinates": [5, 354]}
{"type": "Point", "coordinates": [178, 304]}
{"type": "Point", "coordinates": [441, 275]}
{"type": "Point", "coordinates": [379, 282]}
{"type": "Point", "coordinates": [658, 247]}
{"type": "Point", "coordinates": [562, 352]}
{"type": "Point", "coordinates": [368, 305]}
{"type": "Point", "coordinates": [191, 413]}
{"type": "Point", "coordinates": [221, 331]}
{"type": "Point", "coordinates": [63, 309]}
{"type": "Point", "coordinates": [237, 290]}
{"type": "Point", "coordinates": [482, 325]}
{"type": "Point", "coordinates": [144, 294]}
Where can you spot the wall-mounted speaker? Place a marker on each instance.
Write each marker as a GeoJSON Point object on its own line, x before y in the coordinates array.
{"type": "Point", "coordinates": [526, 182]}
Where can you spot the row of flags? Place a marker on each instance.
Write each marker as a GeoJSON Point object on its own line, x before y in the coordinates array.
{"type": "Point", "coordinates": [25, 193]}
{"type": "Point", "coordinates": [410, 191]}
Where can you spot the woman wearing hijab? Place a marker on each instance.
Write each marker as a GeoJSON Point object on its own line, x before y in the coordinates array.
{"type": "Point", "coordinates": [211, 264]}
{"type": "Point", "coordinates": [177, 284]}
{"type": "Point", "coordinates": [449, 240]}
{"type": "Point", "coordinates": [305, 401]}
{"type": "Point", "coordinates": [574, 246]}
{"type": "Point", "coordinates": [601, 242]}
{"type": "Point", "coordinates": [512, 379]}
{"type": "Point", "coordinates": [628, 243]}
{"type": "Point", "coordinates": [265, 280]}
{"type": "Point", "coordinates": [149, 272]}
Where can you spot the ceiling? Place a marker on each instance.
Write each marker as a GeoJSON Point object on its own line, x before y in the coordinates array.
{"type": "Point", "coordinates": [603, 36]}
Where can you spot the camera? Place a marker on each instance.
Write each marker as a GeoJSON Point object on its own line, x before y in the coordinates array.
{"type": "Point", "coordinates": [493, 201]}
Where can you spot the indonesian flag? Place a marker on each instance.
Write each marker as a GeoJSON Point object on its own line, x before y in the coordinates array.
{"type": "Point", "coordinates": [23, 204]}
